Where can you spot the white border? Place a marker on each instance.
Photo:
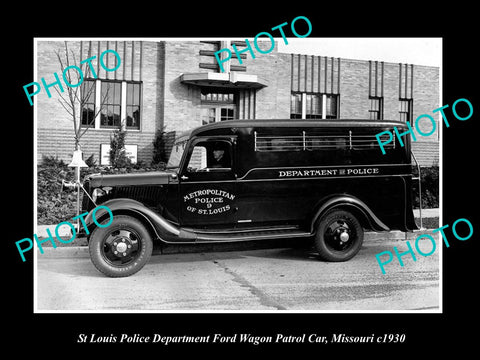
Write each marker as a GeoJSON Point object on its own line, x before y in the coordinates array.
{"type": "Point", "coordinates": [154, 39]}
{"type": "Point", "coordinates": [440, 166]}
{"type": "Point", "coordinates": [35, 179]}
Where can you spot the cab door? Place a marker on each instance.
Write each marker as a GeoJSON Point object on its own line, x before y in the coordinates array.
{"type": "Point", "coordinates": [207, 183]}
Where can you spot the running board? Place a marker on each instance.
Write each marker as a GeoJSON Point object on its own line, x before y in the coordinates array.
{"type": "Point", "coordinates": [230, 236]}
{"type": "Point", "coordinates": [281, 228]}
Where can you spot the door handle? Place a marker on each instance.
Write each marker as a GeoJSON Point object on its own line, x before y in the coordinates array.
{"type": "Point", "coordinates": [183, 177]}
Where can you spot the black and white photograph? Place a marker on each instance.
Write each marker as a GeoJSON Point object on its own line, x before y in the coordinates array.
{"type": "Point", "coordinates": [263, 184]}
{"type": "Point", "coordinates": [210, 175]}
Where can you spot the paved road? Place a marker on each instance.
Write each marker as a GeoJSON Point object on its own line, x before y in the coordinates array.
{"type": "Point", "coordinates": [261, 279]}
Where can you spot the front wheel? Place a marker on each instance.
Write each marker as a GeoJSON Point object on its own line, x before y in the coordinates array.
{"type": "Point", "coordinates": [122, 248]}
{"type": "Point", "coordinates": [339, 236]}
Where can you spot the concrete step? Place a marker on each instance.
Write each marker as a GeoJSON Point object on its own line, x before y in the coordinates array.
{"type": "Point", "coordinates": [427, 213]}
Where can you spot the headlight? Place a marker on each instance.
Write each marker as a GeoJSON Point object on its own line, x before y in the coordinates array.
{"type": "Point", "coordinates": [97, 193]}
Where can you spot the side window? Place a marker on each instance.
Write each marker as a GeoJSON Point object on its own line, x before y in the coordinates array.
{"type": "Point", "coordinates": [198, 159]}
{"type": "Point", "coordinates": [322, 142]}
{"type": "Point", "coordinates": [211, 155]}
{"type": "Point", "coordinates": [286, 144]}
{"type": "Point", "coordinates": [270, 143]}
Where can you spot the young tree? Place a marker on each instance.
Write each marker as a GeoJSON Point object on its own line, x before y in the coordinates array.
{"type": "Point", "coordinates": [159, 155]}
{"type": "Point", "coordinates": [76, 96]}
{"type": "Point", "coordinates": [118, 157]}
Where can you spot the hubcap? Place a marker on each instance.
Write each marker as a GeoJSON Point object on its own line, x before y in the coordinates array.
{"type": "Point", "coordinates": [121, 244]}
{"type": "Point", "coordinates": [121, 247]}
{"type": "Point", "coordinates": [338, 235]}
{"type": "Point", "coordinates": [344, 236]}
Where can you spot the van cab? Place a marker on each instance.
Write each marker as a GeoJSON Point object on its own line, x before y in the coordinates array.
{"type": "Point", "coordinates": [242, 180]}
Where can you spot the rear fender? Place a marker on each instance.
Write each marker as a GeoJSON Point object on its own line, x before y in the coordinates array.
{"type": "Point", "coordinates": [366, 216]}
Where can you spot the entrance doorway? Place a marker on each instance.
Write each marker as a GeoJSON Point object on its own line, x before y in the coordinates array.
{"type": "Point", "coordinates": [217, 105]}
{"type": "Point", "coordinates": [211, 114]}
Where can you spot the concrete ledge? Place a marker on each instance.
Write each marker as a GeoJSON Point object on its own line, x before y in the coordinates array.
{"type": "Point", "coordinates": [63, 231]}
{"type": "Point", "coordinates": [430, 218]}
{"type": "Point", "coordinates": [371, 236]}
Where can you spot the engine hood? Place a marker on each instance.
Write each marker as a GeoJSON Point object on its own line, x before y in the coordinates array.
{"type": "Point", "coordinates": [140, 178]}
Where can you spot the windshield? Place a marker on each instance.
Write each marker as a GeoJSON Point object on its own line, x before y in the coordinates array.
{"type": "Point", "coordinates": [177, 151]}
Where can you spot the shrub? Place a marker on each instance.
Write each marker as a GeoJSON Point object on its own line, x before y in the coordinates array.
{"type": "Point", "coordinates": [159, 154]}
{"type": "Point", "coordinates": [430, 188]}
{"type": "Point", "coordinates": [52, 161]}
{"type": "Point", "coordinates": [118, 158]}
{"type": "Point", "coordinates": [91, 162]}
{"type": "Point", "coordinates": [54, 204]}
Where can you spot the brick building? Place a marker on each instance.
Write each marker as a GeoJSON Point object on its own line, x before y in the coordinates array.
{"type": "Point", "coordinates": [177, 85]}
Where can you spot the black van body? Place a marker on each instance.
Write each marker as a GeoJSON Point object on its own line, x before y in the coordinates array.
{"type": "Point", "coordinates": [244, 180]}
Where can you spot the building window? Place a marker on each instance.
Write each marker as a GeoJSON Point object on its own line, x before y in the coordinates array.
{"type": "Point", "coordinates": [209, 61]}
{"type": "Point", "coordinates": [217, 96]}
{"type": "Point", "coordinates": [406, 110]}
{"type": "Point", "coordinates": [111, 92]}
{"type": "Point", "coordinates": [296, 106]}
{"type": "Point", "coordinates": [218, 105]}
{"type": "Point", "coordinates": [376, 108]}
{"type": "Point", "coordinates": [133, 105]}
{"type": "Point", "coordinates": [111, 104]}
{"type": "Point", "coordinates": [209, 116]}
{"type": "Point", "coordinates": [331, 106]}
{"type": "Point", "coordinates": [313, 106]}
{"type": "Point", "coordinates": [87, 95]}
{"type": "Point", "coordinates": [227, 113]}
{"type": "Point", "coordinates": [217, 113]}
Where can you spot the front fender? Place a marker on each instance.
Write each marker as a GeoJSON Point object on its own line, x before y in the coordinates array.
{"type": "Point", "coordinates": [346, 201]}
{"type": "Point", "coordinates": [124, 205]}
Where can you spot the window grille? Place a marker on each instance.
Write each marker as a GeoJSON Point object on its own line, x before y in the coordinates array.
{"type": "Point", "coordinates": [311, 142]}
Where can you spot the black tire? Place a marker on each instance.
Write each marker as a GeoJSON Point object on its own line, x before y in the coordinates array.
{"type": "Point", "coordinates": [122, 248]}
{"type": "Point", "coordinates": [329, 241]}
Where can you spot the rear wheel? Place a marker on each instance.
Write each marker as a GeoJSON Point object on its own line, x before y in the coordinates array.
{"type": "Point", "coordinates": [339, 236]}
{"type": "Point", "coordinates": [122, 248]}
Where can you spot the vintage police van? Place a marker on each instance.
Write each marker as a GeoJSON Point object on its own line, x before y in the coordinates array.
{"type": "Point", "coordinates": [243, 180]}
